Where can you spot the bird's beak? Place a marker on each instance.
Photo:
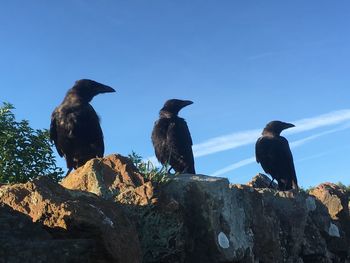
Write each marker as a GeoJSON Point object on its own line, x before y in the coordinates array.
{"type": "Point", "coordinates": [105, 89]}
{"type": "Point", "coordinates": [186, 103]}
{"type": "Point", "coordinates": [288, 125]}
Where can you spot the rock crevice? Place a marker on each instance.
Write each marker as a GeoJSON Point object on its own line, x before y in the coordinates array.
{"type": "Point", "coordinates": [115, 215]}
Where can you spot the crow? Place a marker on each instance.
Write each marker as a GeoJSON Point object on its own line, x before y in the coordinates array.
{"type": "Point", "coordinates": [273, 153]}
{"type": "Point", "coordinates": [75, 127]}
{"type": "Point", "coordinates": [171, 138]}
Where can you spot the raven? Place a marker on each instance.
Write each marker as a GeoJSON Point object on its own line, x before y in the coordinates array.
{"type": "Point", "coordinates": [171, 138]}
{"type": "Point", "coordinates": [273, 153]}
{"type": "Point", "coordinates": [75, 127]}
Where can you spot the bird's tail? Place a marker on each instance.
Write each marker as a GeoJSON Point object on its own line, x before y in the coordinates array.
{"type": "Point", "coordinates": [295, 185]}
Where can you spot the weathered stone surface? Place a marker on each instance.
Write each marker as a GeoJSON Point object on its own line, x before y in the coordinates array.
{"type": "Point", "coordinates": [223, 223]}
{"type": "Point", "coordinates": [21, 240]}
{"type": "Point", "coordinates": [205, 219]}
{"type": "Point", "coordinates": [89, 224]}
{"type": "Point", "coordinates": [211, 229]}
{"type": "Point", "coordinates": [334, 198]}
{"type": "Point", "coordinates": [238, 223]}
{"type": "Point", "coordinates": [113, 178]}
{"type": "Point", "coordinates": [191, 218]}
{"type": "Point", "coordinates": [262, 181]}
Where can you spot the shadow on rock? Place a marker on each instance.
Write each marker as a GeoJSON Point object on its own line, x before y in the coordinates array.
{"type": "Point", "coordinates": [91, 225]}
{"type": "Point", "coordinates": [197, 218]}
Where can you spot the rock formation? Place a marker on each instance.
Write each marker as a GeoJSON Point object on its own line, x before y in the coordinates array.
{"type": "Point", "coordinates": [79, 226]}
{"type": "Point", "coordinates": [113, 178]}
{"type": "Point", "coordinates": [191, 218]}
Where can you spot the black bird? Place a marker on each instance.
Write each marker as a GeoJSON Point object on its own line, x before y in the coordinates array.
{"type": "Point", "coordinates": [171, 138]}
{"type": "Point", "coordinates": [75, 127]}
{"type": "Point", "coordinates": [273, 153]}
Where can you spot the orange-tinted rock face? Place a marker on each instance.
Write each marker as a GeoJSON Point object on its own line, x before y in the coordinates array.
{"type": "Point", "coordinates": [190, 218]}
{"type": "Point", "coordinates": [333, 197]}
{"type": "Point", "coordinates": [21, 240]}
{"type": "Point", "coordinates": [262, 181]}
{"type": "Point", "coordinates": [76, 215]}
{"type": "Point", "coordinates": [336, 200]}
{"type": "Point", "coordinates": [113, 177]}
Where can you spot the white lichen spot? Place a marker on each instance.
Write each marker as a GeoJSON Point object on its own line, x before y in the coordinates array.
{"type": "Point", "coordinates": [223, 240]}
{"type": "Point", "coordinates": [333, 230]}
{"type": "Point", "coordinates": [310, 204]}
{"type": "Point", "coordinates": [106, 220]}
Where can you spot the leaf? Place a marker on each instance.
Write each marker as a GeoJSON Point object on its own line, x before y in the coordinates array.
{"type": "Point", "coordinates": [25, 153]}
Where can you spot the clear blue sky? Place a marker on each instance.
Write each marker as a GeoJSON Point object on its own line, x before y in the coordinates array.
{"type": "Point", "coordinates": [243, 63]}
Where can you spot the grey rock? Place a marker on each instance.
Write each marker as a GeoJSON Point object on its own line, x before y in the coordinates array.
{"type": "Point", "coordinates": [191, 218]}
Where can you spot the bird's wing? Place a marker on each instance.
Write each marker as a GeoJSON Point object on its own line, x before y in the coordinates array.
{"type": "Point", "coordinates": [276, 157]}
{"type": "Point", "coordinates": [85, 128]}
{"type": "Point", "coordinates": [159, 140]}
{"type": "Point", "coordinates": [286, 159]}
{"type": "Point", "coordinates": [264, 151]}
{"type": "Point", "coordinates": [258, 151]}
{"type": "Point", "coordinates": [269, 153]}
{"type": "Point", "coordinates": [180, 142]}
{"type": "Point", "coordinates": [53, 133]}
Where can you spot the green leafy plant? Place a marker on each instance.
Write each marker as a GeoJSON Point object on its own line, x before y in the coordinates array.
{"type": "Point", "coordinates": [306, 190]}
{"type": "Point", "coordinates": [25, 153]}
{"type": "Point", "coordinates": [149, 170]}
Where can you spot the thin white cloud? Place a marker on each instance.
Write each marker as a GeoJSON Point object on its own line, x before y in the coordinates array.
{"type": "Point", "coordinates": [314, 156]}
{"type": "Point", "coordinates": [321, 154]}
{"type": "Point", "coordinates": [264, 55]}
{"type": "Point", "coordinates": [234, 166]}
{"type": "Point", "coordinates": [287, 51]}
{"type": "Point", "coordinates": [329, 119]}
{"type": "Point", "coordinates": [315, 136]}
{"type": "Point", "coordinates": [294, 144]}
{"type": "Point", "coordinates": [234, 140]}
{"type": "Point", "coordinates": [226, 142]}
{"type": "Point", "coordinates": [242, 138]}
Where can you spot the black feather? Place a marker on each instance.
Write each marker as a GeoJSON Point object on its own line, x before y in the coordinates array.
{"type": "Point", "coordinates": [273, 153]}
{"type": "Point", "coordinates": [75, 128]}
{"type": "Point", "coordinates": [172, 139]}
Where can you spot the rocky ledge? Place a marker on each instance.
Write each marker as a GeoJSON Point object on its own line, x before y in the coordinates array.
{"type": "Point", "coordinates": [107, 212]}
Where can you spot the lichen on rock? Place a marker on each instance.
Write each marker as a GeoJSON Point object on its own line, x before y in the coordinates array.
{"type": "Point", "coordinates": [75, 215]}
{"type": "Point", "coordinates": [190, 218]}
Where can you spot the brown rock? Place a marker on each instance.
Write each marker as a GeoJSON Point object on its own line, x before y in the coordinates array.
{"type": "Point", "coordinates": [205, 219]}
{"type": "Point", "coordinates": [262, 181]}
{"type": "Point", "coordinates": [333, 197]}
{"type": "Point", "coordinates": [78, 216]}
{"type": "Point", "coordinates": [113, 177]}
{"type": "Point", "coordinates": [336, 200]}
{"type": "Point", "coordinates": [21, 240]}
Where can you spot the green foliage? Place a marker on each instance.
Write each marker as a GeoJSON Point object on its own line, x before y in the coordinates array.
{"type": "Point", "coordinates": [25, 153]}
{"type": "Point", "coordinates": [307, 190]}
{"type": "Point", "coordinates": [303, 190]}
{"type": "Point", "coordinates": [149, 170]}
